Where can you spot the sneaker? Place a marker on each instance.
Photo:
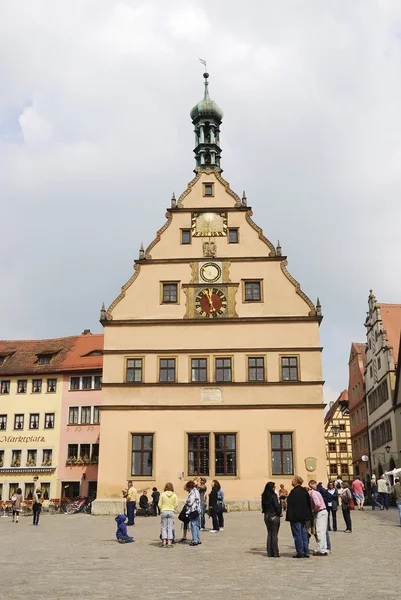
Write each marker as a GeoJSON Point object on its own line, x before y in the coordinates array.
{"type": "Point", "coordinates": [320, 554]}
{"type": "Point", "coordinates": [213, 531]}
{"type": "Point", "coordinates": [202, 529]}
{"type": "Point", "coordinates": [348, 531]}
{"type": "Point", "coordinates": [298, 556]}
{"type": "Point", "coordinates": [221, 529]}
{"type": "Point", "coordinates": [194, 544]}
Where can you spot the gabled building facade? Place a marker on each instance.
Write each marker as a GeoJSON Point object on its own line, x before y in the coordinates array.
{"type": "Point", "coordinates": [383, 328]}
{"type": "Point", "coordinates": [212, 359]}
{"type": "Point", "coordinates": [357, 410]}
{"type": "Point", "coordinates": [337, 431]}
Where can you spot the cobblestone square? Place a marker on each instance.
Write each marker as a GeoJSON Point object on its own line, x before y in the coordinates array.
{"type": "Point", "coordinates": [77, 557]}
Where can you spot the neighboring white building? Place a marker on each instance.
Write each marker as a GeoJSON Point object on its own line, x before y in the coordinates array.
{"type": "Point", "coordinates": [383, 327]}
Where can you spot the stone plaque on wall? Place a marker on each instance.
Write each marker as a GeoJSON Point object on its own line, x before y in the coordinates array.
{"type": "Point", "coordinates": [211, 395]}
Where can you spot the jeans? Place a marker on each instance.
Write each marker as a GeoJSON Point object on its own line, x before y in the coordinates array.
{"type": "Point", "coordinates": [333, 513]}
{"type": "Point", "coordinates": [36, 515]}
{"type": "Point", "coordinates": [195, 530]}
{"type": "Point", "coordinates": [384, 499]}
{"type": "Point", "coordinates": [167, 523]}
{"type": "Point", "coordinates": [156, 509]}
{"type": "Point", "coordinates": [398, 502]}
{"type": "Point", "coordinates": [273, 525]}
{"type": "Point", "coordinates": [215, 520]}
{"type": "Point", "coordinates": [220, 518]}
{"type": "Point", "coordinates": [347, 518]}
{"type": "Point", "coordinates": [300, 535]}
{"type": "Point", "coordinates": [202, 517]}
{"type": "Point", "coordinates": [375, 501]}
{"type": "Point", "coordinates": [321, 531]}
{"type": "Point", "coordinates": [131, 512]}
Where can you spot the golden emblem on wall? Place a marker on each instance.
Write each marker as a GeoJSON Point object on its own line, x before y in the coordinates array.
{"type": "Point", "coordinates": [310, 463]}
{"type": "Point", "coordinates": [209, 224]}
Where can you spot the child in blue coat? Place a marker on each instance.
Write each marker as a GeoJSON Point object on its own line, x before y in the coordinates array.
{"type": "Point", "coordinates": [121, 534]}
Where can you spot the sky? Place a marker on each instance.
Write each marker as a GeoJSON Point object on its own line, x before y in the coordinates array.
{"type": "Point", "coordinates": [95, 136]}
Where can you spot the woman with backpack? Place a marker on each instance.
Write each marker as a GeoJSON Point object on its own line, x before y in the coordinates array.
{"type": "Point", "coordinates": [16, 503]}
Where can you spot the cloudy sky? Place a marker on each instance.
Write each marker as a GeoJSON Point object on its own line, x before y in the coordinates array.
{"type": "Point", "coordinates": [95, 135]}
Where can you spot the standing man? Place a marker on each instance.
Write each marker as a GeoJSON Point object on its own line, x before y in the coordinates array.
{"type": "Point", "coordinates": [382, 488]}
{"type": "Point", "coordinates": [202, 492]}
{"type": "Point", "coordinates": [397, 494]}
{"type": "Point", "coordinates": [320, 513]}
{"type": "Point", "coordinates": [298, 514]}
{"type": "Point", "coordinates": [357, 489]}
{"type": "Point", "coordinates": [130, 494]}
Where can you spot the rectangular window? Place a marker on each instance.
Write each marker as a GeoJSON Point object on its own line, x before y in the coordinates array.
{"type": "Point", "coordinates": [36, 386]}
{"type": "Point", "coordinates": [282, 459]}
{"type": "Point", "coordinates": [223, 370]}
{"type": "Point", "coordinates": [233, 235]}
{"type": "Point", "coordinates": [95, 454]}
{"type": "Point", "coordinates": [332, 446]}
{"type": "Point", "coordinates": [170, 293]}
{"type": "Point", "coordinates": [45, 487]}
{"type": "Point", "coordinates": [5, 387]}
{"type": "Point", "coordinates": [87, 382]}
{"type": "Point", "coordinates": [51, 386]}
{"type": "Point", "coordinates": [199, 370]}
{"type": "Point", "coordinates": [29, 490]}
{"type": "Point", "coordinates": [342, 427]}
{"type": "Point", "coordinates": [31, 458]}
{"type": "Point", "coordinates": [3, 422]}
{"type": "Point", "coordinates": [1, 459]}
{"type": "Point", "coordinates": [225, 454]}
{"type": "Point", "coordinates": [16, 458]}
{"type": "Point", "coordinates": [98, 382]}
{"type": "Point", "coordinates": [370, 372]}
{"type": "Point", "coordinates": [47, 458]}
{"type": "Point", "coordinates": [18, 421]}
{"type": "Point", "coordinates": [208, 189]}
{"type": "Point", "coordinates": [142, 455]}
{"type": "Point", "coordinates": [252, 291]}
{"type": "Point", "coordinates": [198, 454]}
{"type": "Point", "coordinates": [167, 370]}
{"type": "Point", "coordinates": [343, 446]}
{"type": "Point", "coordinates": [22, 385]}
{"type": "Point", "coordinates": [86, 415]}
{"type": "Point", "coordinates": [96, 415]}
{"type": "Point", "coordinates": [84, 452]}
{"type": "Point", "coordinates": [379, 363]}
{"type": "Point", "coordinates": [256, 368]}
{"type": "Point", "coordinates": [74, 383]}
{"type": "Point", "coordinates": [185, 236]}
{"type": "Point", "coordinates": [333, 469]}
{"type": "Point", "coordinates": [344, 469]}
{"type": "Point", "coordinates": [134, 370]}
{"type": "Point", "coordinates": [49, 420]}
{"type": "Point", "coordinates": [289, 368]}
{"type": "Point", "coordinates": [72, 452]}
{"type": "Point", "coordinates": [73, 415]}
{"type": "Point", "coordinates": [44, 359]}
{"type": "Point", "coordinates": [34, 421]}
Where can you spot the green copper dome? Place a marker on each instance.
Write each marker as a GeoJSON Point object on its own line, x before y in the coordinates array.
{"type": "Point", "coordinates": [206, 106]}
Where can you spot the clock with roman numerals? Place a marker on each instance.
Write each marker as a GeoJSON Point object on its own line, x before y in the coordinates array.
{"type": "Point", "coordinates": [211, 303]}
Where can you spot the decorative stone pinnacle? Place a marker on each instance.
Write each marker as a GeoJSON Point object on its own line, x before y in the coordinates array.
{"type": "Point", "coordinates": [103, 312]}
{"type": "Point", "coordinates": [244, 201]}
{"type": "Point", "coordinates": [173, 201]}
{"type": "Point", "coordinates": [278, 249]}
{"type": "Point", "coordinates": [318, 307]}
{"type": "Point", "coordinates": [141, 252]}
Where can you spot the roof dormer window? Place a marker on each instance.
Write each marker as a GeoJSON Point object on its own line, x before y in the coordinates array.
{"type": "Point", "coordinates": [44, 359]}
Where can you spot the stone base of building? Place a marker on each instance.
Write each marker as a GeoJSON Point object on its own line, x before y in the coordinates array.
{"type": "Point", "coordinates": [115, 507]}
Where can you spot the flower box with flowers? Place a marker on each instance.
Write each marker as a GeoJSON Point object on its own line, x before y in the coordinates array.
{"type": "Point", "coordinates": [94, 460]}
{"type": "Point", "coordinates": [71, 460]}
{"type": "Point", "coordinates": [16, 463]}
{"type": "Point", "coordinates": [31, 462]}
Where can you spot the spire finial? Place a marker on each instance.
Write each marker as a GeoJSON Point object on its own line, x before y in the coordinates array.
{"type": "Point", "coordinates": [141, 252]}
{"type": "Point", "coordinates": [244, 203]}
{"type": "Point", "coordinates": [103, 312]}
{"type": "Point", "coordinates": [278, 249]}
{"type": "Point", "coordinates": [173, 201]}
{"type": "Point", "coordinates": [318, 307]}
{"type": "Point", "coordinates": [206, 76]}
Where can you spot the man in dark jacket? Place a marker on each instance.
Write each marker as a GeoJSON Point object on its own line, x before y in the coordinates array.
{"type": "Point", "coordinates": [298, 513]}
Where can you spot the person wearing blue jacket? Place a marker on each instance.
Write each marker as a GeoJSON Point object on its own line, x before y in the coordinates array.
{"type": "Point", "coordinates": [122, 534]}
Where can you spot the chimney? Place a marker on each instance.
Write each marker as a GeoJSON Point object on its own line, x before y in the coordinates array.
{"type": "Point", "coordinates": [86, 332]}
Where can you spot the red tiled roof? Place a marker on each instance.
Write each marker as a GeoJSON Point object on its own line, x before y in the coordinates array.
{"type": "Point", "coordinates": [357, 348]}
{"type": "Point", "coordinates": [69, 354]}
{"type": "Point", "coordinates": [343, 397]}
{"type": "Point", "coordinates": [391, 316]}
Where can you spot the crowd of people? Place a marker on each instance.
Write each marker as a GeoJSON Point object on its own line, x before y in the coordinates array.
{"type": "Point", "coordinates": [192, 515]}
{"type": "Point", "coordinates": [312, 511]}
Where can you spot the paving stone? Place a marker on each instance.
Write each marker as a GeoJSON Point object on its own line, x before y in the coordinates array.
{"type": "Point", "coordinates": [77, 557]}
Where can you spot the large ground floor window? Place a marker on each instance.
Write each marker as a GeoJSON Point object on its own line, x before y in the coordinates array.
{"type": "Point", "coordinates": [282, 457]}
{"type": "Point", "coordinates": [142, 455]}
{"type": "Point", "coordinates": [212, 454]}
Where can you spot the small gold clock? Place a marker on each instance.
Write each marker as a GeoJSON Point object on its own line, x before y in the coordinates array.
{"type": "Point", "coordinates": [210, 272]}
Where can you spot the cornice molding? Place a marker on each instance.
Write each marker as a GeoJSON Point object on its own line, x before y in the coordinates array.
{"type": "Point", "coordinates": [212, 383]}
{"type": "Point", "coordinates": [206, 407]}
{"type": "Point", "coordinates": [169, 218]}
{"type": "Point", "coordinates": [259, 231]}
{"type": "Point", "coordinates": [200, 351]}
{"type": "Point", "coordinates": [297, 285]}
{"type": "Point", "coordinates": [209, 322]}
{"type": "Point", "coordinates": [109, 316]}
{"type": "Point", "coordinates": [189, 188]}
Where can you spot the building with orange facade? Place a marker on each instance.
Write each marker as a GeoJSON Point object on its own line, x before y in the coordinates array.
{"type": "Point", "coordinates": [357, 411]}
{"type": "Point", "coordinates": [212, 358]}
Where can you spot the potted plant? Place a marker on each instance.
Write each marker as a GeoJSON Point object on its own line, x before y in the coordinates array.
{"type": "Point", "coordinates": [86, 460]}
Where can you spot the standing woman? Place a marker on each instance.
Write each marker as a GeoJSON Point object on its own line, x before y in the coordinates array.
{"type": "Point", "coordinates": [283, 495]}
{"type": "Point", "coordinates": [345, 505]}
{"type": "Point", "coordinates": [213, 504]}
{"type": "Point", "coordinates": [37, 506]}
{"type": "Point", "coordinates": [332, 505]}
{"type": "Point", "coordinates": [220, 506]}
{"type": "Point", "coordinates": [168, 503]}
{"type": "Point", "coordinates": [16, 502]}
{"type": "Point", "coordinates": [272, 511]}
{"type": "Point", "coordinates": [193, 511]}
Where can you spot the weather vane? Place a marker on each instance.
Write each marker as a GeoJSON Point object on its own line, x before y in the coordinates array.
{"type": "Point", "coordinates": [203, 63]}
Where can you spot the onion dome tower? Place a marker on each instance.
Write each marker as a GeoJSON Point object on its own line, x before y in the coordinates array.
{"type": "Point", "coordinates": [206, 117]}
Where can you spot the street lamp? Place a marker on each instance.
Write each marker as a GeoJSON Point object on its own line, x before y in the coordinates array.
{"type": "Point", "coordinates": [335, 429]}
{"type": "Point", "coordinates": [387, 448]}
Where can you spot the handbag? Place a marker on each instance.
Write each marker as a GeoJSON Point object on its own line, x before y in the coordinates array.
{"type": "Point", "coordinates": [183, 514]}
{"type": "Point", "coordinates": [194, 515]}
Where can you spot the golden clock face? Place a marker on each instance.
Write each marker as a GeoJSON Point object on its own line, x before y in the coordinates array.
{"type": "Point", "coordinates": [209, 224]}
{"type": "Point", "coordinates": [211, 303]}
{"type": "Point", "coordinates": [210, 272]}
